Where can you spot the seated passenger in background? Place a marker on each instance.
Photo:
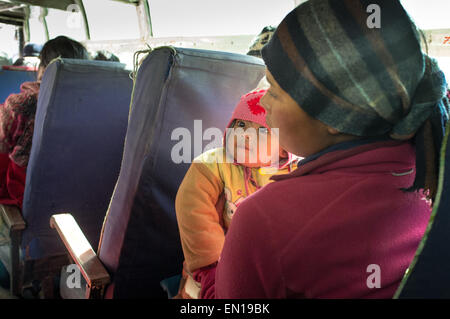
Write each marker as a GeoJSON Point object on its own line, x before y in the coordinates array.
{"type": "Point", "coordinates": [17, 122]}
{"type": "Point", "coordinates": [261, 40]}
{"type": "Point", "coordinates": [255, 50]}
{"type": "Point", "coordinates": [30, 55]}
{"type": "Point", "coordinates": [106, 56]}
{"type": "Point", "coordinates": [212, 190]}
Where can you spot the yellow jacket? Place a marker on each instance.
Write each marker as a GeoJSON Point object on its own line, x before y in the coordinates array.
{"type": "Point", "coordinates": [208, 196]}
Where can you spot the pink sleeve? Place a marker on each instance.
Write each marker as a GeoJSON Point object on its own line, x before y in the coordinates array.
{"type": "Point", "coordinates": [249, 265]}
{"type": "Point", "coordinates": [206, 277]}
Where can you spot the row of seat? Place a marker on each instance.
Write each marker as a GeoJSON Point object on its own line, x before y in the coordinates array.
{"type": "Point", "coordinates": [10, 81]}
{"type": "Point", "coordinates": [110, 168]}
{"type": "Point", "coordinates": [93, 158]}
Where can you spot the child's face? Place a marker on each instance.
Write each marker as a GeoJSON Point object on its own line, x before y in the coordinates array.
{"type": "Point", "coordinates": [253, 147]}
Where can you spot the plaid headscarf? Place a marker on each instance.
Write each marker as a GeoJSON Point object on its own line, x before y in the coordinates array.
{"type": "Point", "coordinates": [360, 80]}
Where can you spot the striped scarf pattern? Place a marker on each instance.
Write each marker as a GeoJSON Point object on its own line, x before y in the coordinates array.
{"type": "Point", "coordinates": [362, 80]}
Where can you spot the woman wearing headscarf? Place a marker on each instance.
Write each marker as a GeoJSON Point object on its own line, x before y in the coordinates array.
{"type": "Point", "coordinates": [366, 108]}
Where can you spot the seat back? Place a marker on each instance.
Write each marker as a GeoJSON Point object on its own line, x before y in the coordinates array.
{"type": "Point", "coordinates": [78, 139]}
{"type": "Point", "coordinates": [140, 243]}
{"type": "Point", "coordinates": [428, 274]}
{"type": "Point", "coordinates": [10, 81]}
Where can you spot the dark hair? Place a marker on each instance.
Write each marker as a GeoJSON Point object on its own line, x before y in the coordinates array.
{"type": "Point", "coordinates": [63, 47]}
{"type": "Point", "coordinates": [106, 56]}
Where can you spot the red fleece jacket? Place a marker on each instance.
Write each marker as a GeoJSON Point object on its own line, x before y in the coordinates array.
{"type": "Point", "coordinates": [12, 182]}
{"type": "Point", "coordinates": [16, 132]}
{"type": "Point", "coordinates": [317, 232]}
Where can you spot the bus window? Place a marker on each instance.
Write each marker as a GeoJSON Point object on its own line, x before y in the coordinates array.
{"type": "Point", "coordinates": [432, 14]}
{"type": "Point", "coordinates": [214, 17]}
{"type": "Point", "coordinates": [9, 51]}
{"type": "Point", "coordinates": [111, 20]}
{"type": "Point", "coordinates": [432, 17]}
{"type": "Point", "coordinates": [66, 23]}
{"type": "Point", "coordinates": [37, 30]}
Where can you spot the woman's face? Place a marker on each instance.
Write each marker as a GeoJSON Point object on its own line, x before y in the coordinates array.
{"type": "Point", "coordinates": [300, 134]}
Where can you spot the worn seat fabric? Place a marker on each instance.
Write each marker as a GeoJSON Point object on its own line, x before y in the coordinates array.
{"type": "Point", "coordinates": [79, 133]}
{"type": "Point", "coordinates": [140, 244]}
{"type": "Point", "coordinates": [10, 81]}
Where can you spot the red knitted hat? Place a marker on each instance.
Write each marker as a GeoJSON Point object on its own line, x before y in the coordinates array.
{"type": "Point", "coordinates": [249, 109]}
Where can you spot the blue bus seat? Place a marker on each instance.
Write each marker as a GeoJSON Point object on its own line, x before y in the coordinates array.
{"type": "Point", "coordinates": [428, 275]}
{"type": "Point", "coordinates": [78, 139]}
{"type": "Point", "coordinates": [10, 81]}
{"type": "Point", "coordinates": [140, 243]}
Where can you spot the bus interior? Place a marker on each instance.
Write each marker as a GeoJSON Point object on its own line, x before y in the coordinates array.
{"type": "Point", "coordinates": [101, 184]}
